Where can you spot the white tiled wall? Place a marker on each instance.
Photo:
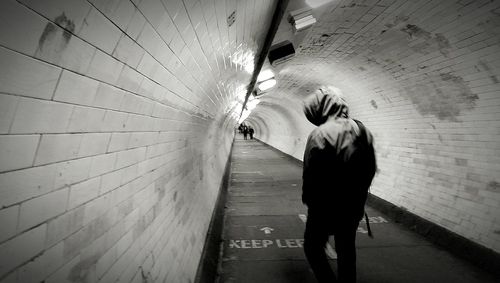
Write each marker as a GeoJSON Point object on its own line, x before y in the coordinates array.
{"type": "Point", "coordinates": [113, 135]}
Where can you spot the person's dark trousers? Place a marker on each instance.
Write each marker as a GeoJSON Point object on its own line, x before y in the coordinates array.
{"type": "Point", "coordinates": [318, 228]}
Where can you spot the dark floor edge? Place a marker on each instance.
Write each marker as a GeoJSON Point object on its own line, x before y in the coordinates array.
{"type": "Point", "coordinates": [460, 246]}
{"type": "Point", "coordinates": [290, 157]}
{"type": "Point", "coordinates": [207, 268]}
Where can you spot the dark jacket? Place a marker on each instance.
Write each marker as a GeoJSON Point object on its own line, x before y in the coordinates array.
{"type": "Point", "coordinates": [339, 159]}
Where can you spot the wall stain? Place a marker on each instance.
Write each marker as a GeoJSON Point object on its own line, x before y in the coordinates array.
{"type": "Point", "coordinates": [493, 186]}
{"type": "Point", "coordinates": [443, 44]}
{"type": "Point", "coordinates": [488, 69]}
{"type": "Point", "coordinates": [440, 138]}
{"type": "Point", "coordinates": [491, 25]}
{"type": "Point", "coordinates": [483, 65]}
{"type": "Point", "coordinates": [307, 88]}
{"type": "Point", "coordinates": [322, 39]}
{"type": "Point", "coordinates": [400, 33]}
{"type": "Point", "coordinates": [81, 271]}
{"type": "Point", "coordinates": [55, 37]}
{"type": "Point", "coordinates": [389, 61]}
{"type": "Point", "coordinates": [431, 42]}
{"type": "Point", "coordinates": [146, 276]}
{"type": "Point", "coordinates": [461, 161]}
{"type": "Point", "coordinates": [178, 206]}
{"type": "Point", "coordinates": [160, 187]}
{"type": "Point", "coordinates": [415, 31]}
{"type": "Point", "coordinates": [350, 5]}
{"type": "Point", "coordinates": [374, 104]}
{"type": "Point", "coordinates": [125, 208]}
{"type": "Point", "coordinates": [371, 60]}
{"type": "Point", "coordinates": [496, 11]}
{"type": "Point", "coordinates": [139, 227]}
{"type": "Point", "coordinates": [200, 166]}
{"type": "Point", "coordinates": [444, 95]}
{"type": "Point", "coordinates": [400, 29]}
{"type": "Point", "coordinates": [50, 28]}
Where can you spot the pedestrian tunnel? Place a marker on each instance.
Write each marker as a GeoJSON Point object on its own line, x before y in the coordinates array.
{"type": "Point", "coordinates": [264, 222]}
{"type": "Point", "coordinates": [118, 127]}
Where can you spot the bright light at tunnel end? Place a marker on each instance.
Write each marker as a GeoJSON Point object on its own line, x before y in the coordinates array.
{"type": "Point", "coordinates": [251, 104]}
{"type": "Point", "coordinates": [244, 116]}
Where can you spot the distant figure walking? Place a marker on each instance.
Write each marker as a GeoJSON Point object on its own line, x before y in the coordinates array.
{"type": "Point", "coordinates": [250, 132]}
{"type": "Point", "coordinates": [245, 132]}
{"type": "Point", "coordinates": [339, 165]}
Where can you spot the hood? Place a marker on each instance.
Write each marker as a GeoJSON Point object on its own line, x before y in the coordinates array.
{"type": "Point", "coordinates": [321, 105]}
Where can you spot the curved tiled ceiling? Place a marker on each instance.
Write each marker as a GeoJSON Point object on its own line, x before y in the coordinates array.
{"type": "Point", "coordinates": [424, 77]}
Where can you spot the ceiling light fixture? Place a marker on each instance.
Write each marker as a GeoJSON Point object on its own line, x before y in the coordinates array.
{"type": "Point", "coordinates": [265, 75]}
{"type": "Point", "coordinates": [267, 84]}
{"type": "Point", "coordinates": [304, 23]}
{"type": "Point", "coordinates": [302, 19]}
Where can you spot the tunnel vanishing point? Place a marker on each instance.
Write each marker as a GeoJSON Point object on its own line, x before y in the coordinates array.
{"type": "Point", "coordinates": [117, 119]}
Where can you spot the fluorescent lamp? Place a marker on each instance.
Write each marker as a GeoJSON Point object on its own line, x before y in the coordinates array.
{"type": "Point", "coordinates": [265, 75]}
{"type": "Point", "coordinates": [304, 19]}
{"type": "Point", "coordinates": [305, 24]}
{"type": "Point", "coordinates": [265, 85]}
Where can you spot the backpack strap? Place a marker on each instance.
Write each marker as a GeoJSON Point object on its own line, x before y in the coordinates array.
{"type": "Point", "coordinates": [367, 220]}
{"type": "Point", "coordinates": [364, 138]}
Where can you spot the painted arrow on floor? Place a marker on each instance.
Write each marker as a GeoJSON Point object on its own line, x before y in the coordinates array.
{"type": "Point", "coordinates": [267, 230]}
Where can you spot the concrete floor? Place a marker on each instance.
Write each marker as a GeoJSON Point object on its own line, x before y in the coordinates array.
{"type": "Point", "coordinates": [264, 225]}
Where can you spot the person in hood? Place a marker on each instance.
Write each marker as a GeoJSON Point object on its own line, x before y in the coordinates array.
{"type": "Point", "coordinates": [339, 165]}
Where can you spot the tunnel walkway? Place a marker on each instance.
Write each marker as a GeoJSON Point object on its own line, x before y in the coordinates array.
{"type": "Point", "coordinates": [264, 224]}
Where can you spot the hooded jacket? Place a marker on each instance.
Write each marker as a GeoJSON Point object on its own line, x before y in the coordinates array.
{"type": "Point", "coordinates": [339, 159]}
